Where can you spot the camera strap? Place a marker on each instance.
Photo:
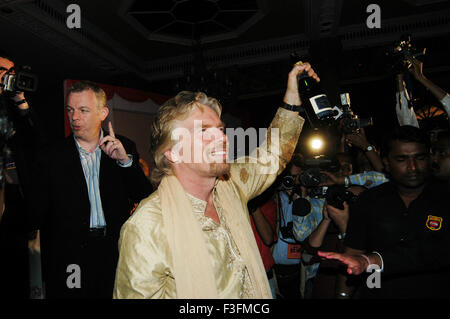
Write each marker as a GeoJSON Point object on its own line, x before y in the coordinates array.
{"type": "Point", "coordinates": [281, 212]}
{"type": "Point", "coordinates": [293, 249]}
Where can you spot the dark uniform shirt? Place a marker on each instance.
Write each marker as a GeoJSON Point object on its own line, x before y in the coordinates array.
{"type": "Point", "coordinates": [413, 242]}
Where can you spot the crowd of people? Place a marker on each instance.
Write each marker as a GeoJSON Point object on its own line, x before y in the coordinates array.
{"type": "Point", "coordinates": [391, 216]}
{"type": "Point", "coordinates": [205, 227]}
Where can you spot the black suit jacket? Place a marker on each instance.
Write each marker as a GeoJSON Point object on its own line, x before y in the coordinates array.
{"type": "Point", "coordinates": [61, 209]}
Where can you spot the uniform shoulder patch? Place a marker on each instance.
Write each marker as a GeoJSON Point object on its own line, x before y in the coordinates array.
{"type": "Point", "coordinates": [434, 222]}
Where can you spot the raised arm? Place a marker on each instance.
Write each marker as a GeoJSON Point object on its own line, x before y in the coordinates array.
{"type": "Point", "coordinates": [405, 114]}
{"type": "Point", "coordinates": [360, 140]}
{"type": "Point", "coordinates": [416, 70]}
{"type": "Point", "coordinates": [255, 173]}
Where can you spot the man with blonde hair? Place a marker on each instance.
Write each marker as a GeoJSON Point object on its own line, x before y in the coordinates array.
{"type": "Point", "coordinates": [192, 237]}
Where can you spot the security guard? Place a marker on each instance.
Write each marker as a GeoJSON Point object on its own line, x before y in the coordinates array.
{"type": "Point", "coordinates": [402, 226]}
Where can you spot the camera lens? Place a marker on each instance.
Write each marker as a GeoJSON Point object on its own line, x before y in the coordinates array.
{"type": "Point", "coordinates": [310, 178]}
{"type": "Point", "coordinates": [288, 182]}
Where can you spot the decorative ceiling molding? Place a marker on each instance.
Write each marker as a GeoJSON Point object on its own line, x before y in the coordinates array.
{"type": "Point", "coordinates": [171, 21]}
{"type": "Point", "coordinates": [248, 54]}
{"type": "Point", "coordinates": [420, 26]}
{"type": "Point", "coordinates": [423, 2]}
{"type": "Point", "coordinates": [352, 37]}
{"type": "Point", "coordinates": [46, 19]}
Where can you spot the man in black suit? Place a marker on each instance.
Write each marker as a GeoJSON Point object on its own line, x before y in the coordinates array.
{"type": "Point", "coordinates": [86, 188]}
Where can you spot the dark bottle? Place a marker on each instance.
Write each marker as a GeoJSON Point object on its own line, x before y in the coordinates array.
{"type": "Point", "coordinates": [313, 98]}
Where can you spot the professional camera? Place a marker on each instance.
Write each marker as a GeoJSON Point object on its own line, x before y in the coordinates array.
{"type": "Point", "coordinates": [349, 121]}
{"type": "Point", "coordinates": [312, 176]}
{"type": "Point", "coordinates": [317, 192]}
{"type": "Point", "coordinates": [21, 81]}
{"type": "Point", "coordinates": [288, 230]}
{"type": "Point", "coordinates": [310, 179]}
{"type": "Point", "coordinates": [402, 52]}
{"type": "Point", "coordinates": [336, 195]}
{"type": "Point", "coordinates": [288, 184]}
{"type": "Point", "coordinates": [11, 84]}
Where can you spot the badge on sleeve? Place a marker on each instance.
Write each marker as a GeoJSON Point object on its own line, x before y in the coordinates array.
{"type": "Point", "coordinates": [434, 223]}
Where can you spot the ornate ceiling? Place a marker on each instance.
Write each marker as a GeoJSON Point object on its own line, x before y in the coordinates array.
{"type": "Point", "coordinates": [159, 43]}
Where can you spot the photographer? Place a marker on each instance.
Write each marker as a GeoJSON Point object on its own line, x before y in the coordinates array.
{"type": "Point", "coordinates": [405, 114]}
{"type": "Point", "coordinates": [367, 178]}
{"type": "Point", "coordinates": [321, 227]}
{"type": "Point", "coordinates": [329, 235]}
{"type": "Point", "coordinates": [298, 216]}
{"type": "Point", "coordinates": [19, 140]}
{"type": "Point", "coordinates": [286, 251]}
{"type": "Point", "coordinates": [307, 210]}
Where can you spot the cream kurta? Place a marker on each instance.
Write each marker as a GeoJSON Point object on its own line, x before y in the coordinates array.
{"type": "Point", "coordinates": [145, 264]}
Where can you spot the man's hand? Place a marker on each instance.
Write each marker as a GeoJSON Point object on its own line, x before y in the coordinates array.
{"type": "Point", "coordinates": [292, 96]}
{"type": "Point", "coordinates": [339, 216]}
{"type": "Point", "coordinates": [357, 139]}
{"type": "Point", "coordinates": [332, 179]}
{"type": "Point", "coordinates": [416, 69]}
{"type": "Point", "coordinates": [356, 264]}
{"type": "Point", "coordinates": [113, 147]}
{"type": "Point", "coordinates": [20, 97]}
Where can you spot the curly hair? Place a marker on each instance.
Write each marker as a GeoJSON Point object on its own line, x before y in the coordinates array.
{"type": "Point", "coordinates": [169, 114]}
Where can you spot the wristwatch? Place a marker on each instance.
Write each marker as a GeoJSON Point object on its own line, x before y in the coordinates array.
{"type": "Point", "coordinates": [369, 148]}
{"type": "Point", "coordinates": [290, 107]}
{"type": "Point", "coordinates": [342, 236]}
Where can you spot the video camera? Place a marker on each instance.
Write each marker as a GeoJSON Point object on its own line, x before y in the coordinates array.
{"type": "Point", "coordinates": [349, 121]}
{"type": "Point", "coordinates": [402, 52]}
{"type": "Point", "coordinates": [311, 177]}
{"type": "Point", "coordinates": [11, 84]}
{"type": "Point", "coordinates": [336, 195]}
{"type": "Point", "coordinates": [288, 183]}
{"type": "Point", "coordinates": [21, 81]}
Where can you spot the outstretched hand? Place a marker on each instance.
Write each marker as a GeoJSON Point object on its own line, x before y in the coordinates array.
{"type": "Point", "coordinates": [113, 147]}
{"type": "Point", "coordinates": [339, 216]}
{"type": "Point", "coordinates": [356, 264]}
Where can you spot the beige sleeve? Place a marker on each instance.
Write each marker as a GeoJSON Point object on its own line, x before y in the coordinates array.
{"type": "Point", "coordinates": [143, 270]}
{"type": "Point", "coordinates": [255, 173]}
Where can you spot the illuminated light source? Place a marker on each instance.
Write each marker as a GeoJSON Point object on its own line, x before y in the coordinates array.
{"type": "Point", "coordinates": [316, 143]}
